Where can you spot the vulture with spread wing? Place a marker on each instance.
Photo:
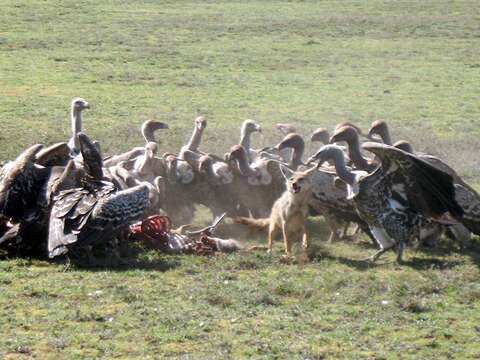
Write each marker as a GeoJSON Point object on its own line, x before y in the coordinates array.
{"type": "Point", "coordinates": [95, 211]}
{"type": "Point", "coordinates": [465, 195]}
{"type": "Point", "coordinates": [399, 197]}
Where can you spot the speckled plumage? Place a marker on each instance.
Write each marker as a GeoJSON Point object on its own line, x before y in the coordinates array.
{"type": "Point", "coordinates": [89, 214]}
{"type": "Point", "coordinates": [95, 211]}
{"type": "Point", "coordinates": [400, 197]}
{"type": "Point", "coordinates": [465, 195]}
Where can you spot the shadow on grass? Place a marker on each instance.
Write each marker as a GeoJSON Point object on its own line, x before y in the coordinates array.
{"type": "Point", "coordinates": [161, 265]}
{"type": "Point", "coordinates": [415, 263]}
{"type": "Point", "coordinates": [418, 263]}
{"type": "Point", "coordinates": [132, 258]}
{"type": "Point", "coordinates": [448, 248]}
{"type": "Point", "coordinates": [431, 263]}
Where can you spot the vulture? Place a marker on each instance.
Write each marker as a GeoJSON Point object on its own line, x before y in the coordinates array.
{"type": "Point", "coordinates": [432, 231]}
{"type": "Point", "coordinates": [22, 199]}
{"type": "Point", "coordinates": [94, 211]}
{"type": "Point", "coordinates": [296, 144]}
{"type": "Point", "coordinates": [55, 155]}
{"type": "Point", "coordinates": [350, 135]}
{"type": "Point", "coordinates": [78, 105]}
{"type": "Point", "coordinates": [26, 189]}
{"type": "Point", "coordinates": [465, 195]}
{"type": "Point", "coordinates": [249, 126]}
{"type": "Point", "coordinates": [193, 144]}
{"type": "Point", "coordinates": [286, 129]}
{"type": "Point", "coordinates": [215, 185]}
{"type": "Point", "coordinates": [261, 182]}
{"type": "Point", "coordinates": [399, 198]}
{"type": "Point", "coordinates": [148, 132]}
{"type": "Point", "coordinates": [320, 135]}
{"type": "Point", "coordinates": [380, 128]}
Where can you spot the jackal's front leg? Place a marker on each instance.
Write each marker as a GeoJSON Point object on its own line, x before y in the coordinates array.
{"type": "Point", "coordinates": [305, 239]}
{"type": "Point", "coordinates": [272, 230]}
{"type": "Point", "coordinates": [286, 239]}
{"type": "Point", "coordinates": [305, 244]}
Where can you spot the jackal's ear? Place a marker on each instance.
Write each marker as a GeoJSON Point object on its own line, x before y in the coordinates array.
{"type": "Point", "coordinates": [286, 172]}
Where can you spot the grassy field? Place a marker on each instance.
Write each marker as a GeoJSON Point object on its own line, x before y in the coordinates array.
{"type": "Point", "coordinates": [312, 63]}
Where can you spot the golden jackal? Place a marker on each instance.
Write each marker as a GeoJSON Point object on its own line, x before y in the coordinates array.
{"type": "Point", "coordinates": [289, 212]}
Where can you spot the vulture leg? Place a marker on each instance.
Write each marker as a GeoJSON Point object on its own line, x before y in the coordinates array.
{"type": "Point", "coordinates": [380, 252]}
{"type": "Point", "coordinates": [400, 248]}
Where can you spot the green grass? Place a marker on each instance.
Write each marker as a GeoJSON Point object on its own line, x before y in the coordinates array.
{"type": "Point", "coordinates": [246, 305]}
{"type": "Point", "coordinates": [312, 63]}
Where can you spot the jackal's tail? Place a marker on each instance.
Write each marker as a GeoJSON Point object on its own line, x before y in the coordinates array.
{"type": "Point", "coordinates": [258, 224]}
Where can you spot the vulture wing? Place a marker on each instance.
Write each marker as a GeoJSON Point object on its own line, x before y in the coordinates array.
{"type": "Point", "coordinates": [429, 190]}
{"type": "Point", "coordinates": [55, 155]}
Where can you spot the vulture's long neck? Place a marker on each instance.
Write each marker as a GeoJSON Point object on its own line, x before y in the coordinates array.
{"type": "Point", "coordinates": [245, 139]}
{"type": "Point", "coordinates": [194, 142]}
{"type": "Point", "coordinates": [145, 163]}
{"type": "Point", "coordinates": [76, 117]}
{"type": "Point", "coordinates": [342, 171]}
{"type": "Point", "coordinates": [245, 167]}
{"type": "Point", "coordinates": [385, 135]}
{"type": "Point", "coordinates": [297, 156]}
{"type": "Point", "coordinates": [355, 154]}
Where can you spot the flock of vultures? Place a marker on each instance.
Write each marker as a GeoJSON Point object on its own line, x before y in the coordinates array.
{"type": "Point", "coordinates": [66, 198]}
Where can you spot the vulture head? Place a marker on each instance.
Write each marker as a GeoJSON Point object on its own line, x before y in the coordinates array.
{"type": "Point", "coordinates": [285, 128]}
{"type": "Point", "coordinates": [250, 126]}
{"type": "Point", "coordinates": [294, 141]}
{"type": "Point", "coordinates": [348, 123]}
{"type": "Point", "coordinates": [192, 158]}
{"type": "Point", "coordinates": [178, 171]}
{"type": "Point", "coordinates": [171, 167]}
{"type": "Point", "coordinates": [326, 153]}
{"type": "Point", "coordinates": [404, 145]}
{"type": "Point", "coordinates": [346, 133]}
{"type": "Point", "coordinates": [320, 135]}
{"type": "Point", "coordinates": [239, 155]}
{"type": "Point", "coordinates": [79, 104]}
{"type": "Point", "coordinates": [379, 128]}
{"type": "Point", "coordinates": [200, 123]}
{"type": "Point", "coordinates": [334, 153]}
{"type": "Point", "coordinates": [218, 171]}
{"type": "Point", "coordinates": [149, 127]}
